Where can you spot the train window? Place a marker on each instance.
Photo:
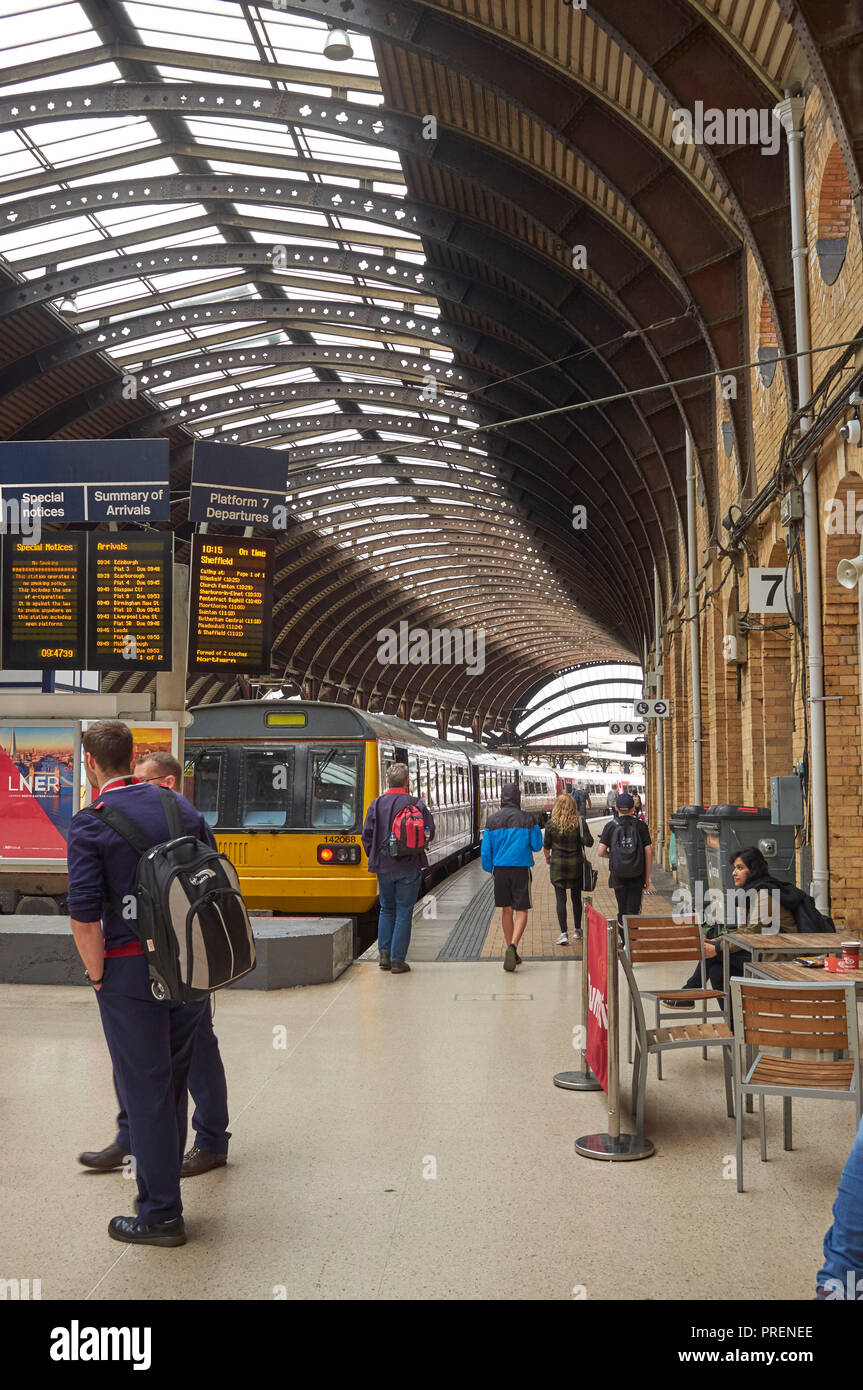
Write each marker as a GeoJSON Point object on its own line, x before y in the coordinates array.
{"type": "Point", "coordinates": [414, 780]}
{"type": "Point", "coordinates": [202, 782]}
{"type": "Point", "coordinates": [267, 786]}
{"type": "Point", "coordinates": [450, 797]}
{"type": "Point", "coordinates": [335, 778]}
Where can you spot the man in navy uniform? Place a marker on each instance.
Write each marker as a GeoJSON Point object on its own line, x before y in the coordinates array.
{"type": "Point", "coordinates": [207, 1083]}
{"type": "Point", "coordinates": [150, 1040]}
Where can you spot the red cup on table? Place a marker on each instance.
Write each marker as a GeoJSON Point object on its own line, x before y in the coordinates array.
{"type": "Point", "coordinates": [850, 956]}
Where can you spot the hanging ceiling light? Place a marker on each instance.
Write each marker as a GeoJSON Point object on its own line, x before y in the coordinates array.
{"type": "Point", "coordinates": [68, 305]}
{"type": "Point", "coordinates": [338, 46]}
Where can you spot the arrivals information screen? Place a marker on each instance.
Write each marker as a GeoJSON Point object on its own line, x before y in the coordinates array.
{"type": "Point", "coordinates": [231, 604]}
{"type": "Point", "coordinates": [44, 612]}
{"type": "Point", "coordinates": [130, 601]}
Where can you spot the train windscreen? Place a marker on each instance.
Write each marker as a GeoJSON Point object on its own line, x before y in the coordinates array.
{"type": "Point", "coordinates": [335, 789]}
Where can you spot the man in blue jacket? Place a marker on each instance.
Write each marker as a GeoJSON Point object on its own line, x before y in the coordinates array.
{"type": "Point", "coordinates": [509, 842]}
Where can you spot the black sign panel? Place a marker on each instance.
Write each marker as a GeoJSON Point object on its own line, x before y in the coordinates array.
{"type": "Point", "coordinates": [61, 480]}
{"type": "Point", "coordinates": [231, 604]}
{"type": "Point", "coordinates": [129, 608]}
{"type": "Point", "coordinates": [43, 602]}
{"type": "Point", "coordinates": [239, 485]}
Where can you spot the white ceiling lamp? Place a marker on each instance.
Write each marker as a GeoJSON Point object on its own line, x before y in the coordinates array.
{"type": "Point", "coordinates": [68, 305]}
{"type": "Point", "coordinates": [338, 46]}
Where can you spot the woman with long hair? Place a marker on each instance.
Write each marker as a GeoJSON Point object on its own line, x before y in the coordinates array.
{"type": "Point", "coordinates": [566, 836]}
{"type": "Point", "coordinates": [639, 809]}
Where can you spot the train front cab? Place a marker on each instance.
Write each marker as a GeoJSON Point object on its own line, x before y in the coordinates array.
{"type": "Point", "coordinates": [289, 815]}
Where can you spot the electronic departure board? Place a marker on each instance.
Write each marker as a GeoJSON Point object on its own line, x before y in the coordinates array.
{"type": "Point", "coordinates": [43, 602]}
{"type": "Point", "coordinates": [231, 605]}
{"type": "Point", "coordinates": [129, 609]}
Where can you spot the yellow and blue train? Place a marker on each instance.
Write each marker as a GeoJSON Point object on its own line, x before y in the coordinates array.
{"type": "Point", "coordinates": [285, 786]}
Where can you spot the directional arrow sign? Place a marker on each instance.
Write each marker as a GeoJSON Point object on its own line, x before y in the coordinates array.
{"type": "Point", "coordinates": [627, 729]}
{"type": "Point", "coordinates": [652, 709]}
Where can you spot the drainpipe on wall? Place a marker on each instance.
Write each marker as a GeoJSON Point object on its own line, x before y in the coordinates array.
{"type": "Point", "coordinates": [694, 627]}
{"type": "Point", "coordinates": [790, 113]}
{"type": "Point", "coordinates": [659, 835]}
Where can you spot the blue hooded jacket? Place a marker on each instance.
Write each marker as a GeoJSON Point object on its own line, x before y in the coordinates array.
{"type": "Point", "coordinates": [511, 836]}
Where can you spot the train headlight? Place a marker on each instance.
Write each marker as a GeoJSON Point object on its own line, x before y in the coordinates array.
{"type": "Point", "coordinates": [338, 854]}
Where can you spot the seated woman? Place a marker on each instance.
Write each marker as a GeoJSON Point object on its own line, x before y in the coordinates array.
{"type": "Point", "coordinates": [563, 843]}
{"type": "Point", "coordinates": [756, 912]}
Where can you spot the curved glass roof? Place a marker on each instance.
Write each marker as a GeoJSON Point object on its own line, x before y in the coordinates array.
{"type": "Point", "coordinates": [576, 708]}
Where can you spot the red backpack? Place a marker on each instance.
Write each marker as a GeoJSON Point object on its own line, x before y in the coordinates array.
{"type": "Point", "coordinates": [408, 833]}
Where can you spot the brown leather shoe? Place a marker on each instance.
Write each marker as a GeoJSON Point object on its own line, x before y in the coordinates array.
{"type": "Point", "coordinates": [199, 1161]}
{"type": "Point", "coordinates": [104, 1160]}
{"type": "Point", "coordinates": [399, 967]}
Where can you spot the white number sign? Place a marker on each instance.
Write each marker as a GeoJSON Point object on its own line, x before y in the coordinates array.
{"type": "Point", "coordinates": [767, 591]}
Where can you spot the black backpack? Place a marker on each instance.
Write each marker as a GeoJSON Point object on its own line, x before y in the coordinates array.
{"type": "Point", "coordinates": [191, 919]}
{"type": "Point", "coordinates": [626, 851]}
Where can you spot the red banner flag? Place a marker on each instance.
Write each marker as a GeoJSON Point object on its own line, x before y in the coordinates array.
{"type": "Point", "coordinates": [597, 1012]}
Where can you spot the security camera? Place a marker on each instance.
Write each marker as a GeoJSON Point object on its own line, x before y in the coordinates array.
{"type": "Point", "coordinates": [852, 432]}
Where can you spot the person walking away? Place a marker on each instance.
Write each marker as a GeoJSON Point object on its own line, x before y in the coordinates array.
{"type": "Point", "coordinates": [755, 912]}
{"type": "Point", "coordinates": [582, 799]}
{"type": "Point", "coordinates": [626, 844]}
{"type": "Point", "coordinates": [566, 836]}
{"type": "Point", "coordinates": [509, 842]}
{"type": "Point", "coordinates": [207, 1083]}
{"type": "Point", "coordinates": [397, 815]}
{"type": "Point", "coordinates": [150, 1040]}
{"type": "Point", "coordinates": [611, 801]}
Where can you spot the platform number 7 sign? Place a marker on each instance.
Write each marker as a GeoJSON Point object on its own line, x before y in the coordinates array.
{"type": "Point", "coordinates": [767, 591]}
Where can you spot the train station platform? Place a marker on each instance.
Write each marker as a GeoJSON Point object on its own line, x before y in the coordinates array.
{"type": "Point", "coordinates": [408, 1143]}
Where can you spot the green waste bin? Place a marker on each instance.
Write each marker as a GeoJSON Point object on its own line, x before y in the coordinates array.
{"type": "Point", "coordinates": [691, 868]}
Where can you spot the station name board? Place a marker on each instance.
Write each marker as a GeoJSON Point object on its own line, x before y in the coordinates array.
{"type": "Point", "coordinates": [231, 604]}
{"type": "Point", "coordinates": [77, 601]}
{"type": "Point", "coordinates": [69, 480]}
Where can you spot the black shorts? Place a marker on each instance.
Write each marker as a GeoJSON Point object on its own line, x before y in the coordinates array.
{"type": "Point", "coordinates": [512, 887]}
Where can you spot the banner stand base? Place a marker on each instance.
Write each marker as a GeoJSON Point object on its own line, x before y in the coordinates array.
{"type": "Point", "coordinates": [619, 1149]}
{"type": "Point", "coordinates": [577, 1081]}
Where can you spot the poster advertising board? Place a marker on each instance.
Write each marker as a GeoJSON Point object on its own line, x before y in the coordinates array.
{"type": "Point", "coordinates": [146, 738]}
{"type": "Point", "coordinates": [38, 789]}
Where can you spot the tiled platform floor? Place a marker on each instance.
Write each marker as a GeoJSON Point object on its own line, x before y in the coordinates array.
{"type": "Point", "coordinates": [408, 1143]}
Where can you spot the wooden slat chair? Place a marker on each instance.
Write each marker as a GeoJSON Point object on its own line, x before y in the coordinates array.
{"type": "Point", "coordinates": [710, 1033]}
{"type": "Point", "coordinates": [814, 1018]}
{"type": "Point", "coordinates": [660, 941]}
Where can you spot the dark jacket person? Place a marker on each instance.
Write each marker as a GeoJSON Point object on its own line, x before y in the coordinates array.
{"type": "Point", "coordinates": [150, 1040]}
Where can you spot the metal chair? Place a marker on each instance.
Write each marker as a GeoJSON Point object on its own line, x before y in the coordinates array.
{"type": "Point", "coordinates": [812, 1018]}
{"type": "Point", "coordinates": [659, 941]}
{"type": "Point", "coordinates": [658, 1040]}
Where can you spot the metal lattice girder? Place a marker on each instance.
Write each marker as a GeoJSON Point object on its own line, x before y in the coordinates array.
{"type": "Point", "coordinates": [309, 315]}
{"type": "Point", "coordinates": [239, 402]}
{"type": "Point", "coordinates": [371, 125]}
{"type": "Point", "coordinates": [382, 269]}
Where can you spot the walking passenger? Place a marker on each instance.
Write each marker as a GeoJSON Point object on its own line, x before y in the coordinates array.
{"type": "Point", "coordinates": [582, 799]}
{"type": "Point", "coordinates": [206, 1081]}
{"type": "Point", "coordinates": [566, 836]}
{"type": "Point", "coordinates": [626, 845]}
{"type": "Point", "coordinates": [841, 1275]}
{"type": "Point", "coordinates": [150, 1040]}
{"type": "Point", "coordinates": [397, 828]}
{"type": "Point", "coordinates": [638, 808]}
{"type": "Point", "coordinates": [508, 843]}
{"type": "Point", "coordinates": [611, 801]}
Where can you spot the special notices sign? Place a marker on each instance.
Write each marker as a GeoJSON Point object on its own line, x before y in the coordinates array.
{"type": "Point", "coordinates": [231, 605]}
{"type": "Point", "coordinates": [130, 602]}
{"type": "Point", "coordinates": [44, 616]}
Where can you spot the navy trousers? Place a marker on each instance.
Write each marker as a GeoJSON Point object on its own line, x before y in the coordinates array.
{"type": "Point", "coordinates": [208, 1088]}
{"type": "Point", "coordinates": [151, 1048]}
